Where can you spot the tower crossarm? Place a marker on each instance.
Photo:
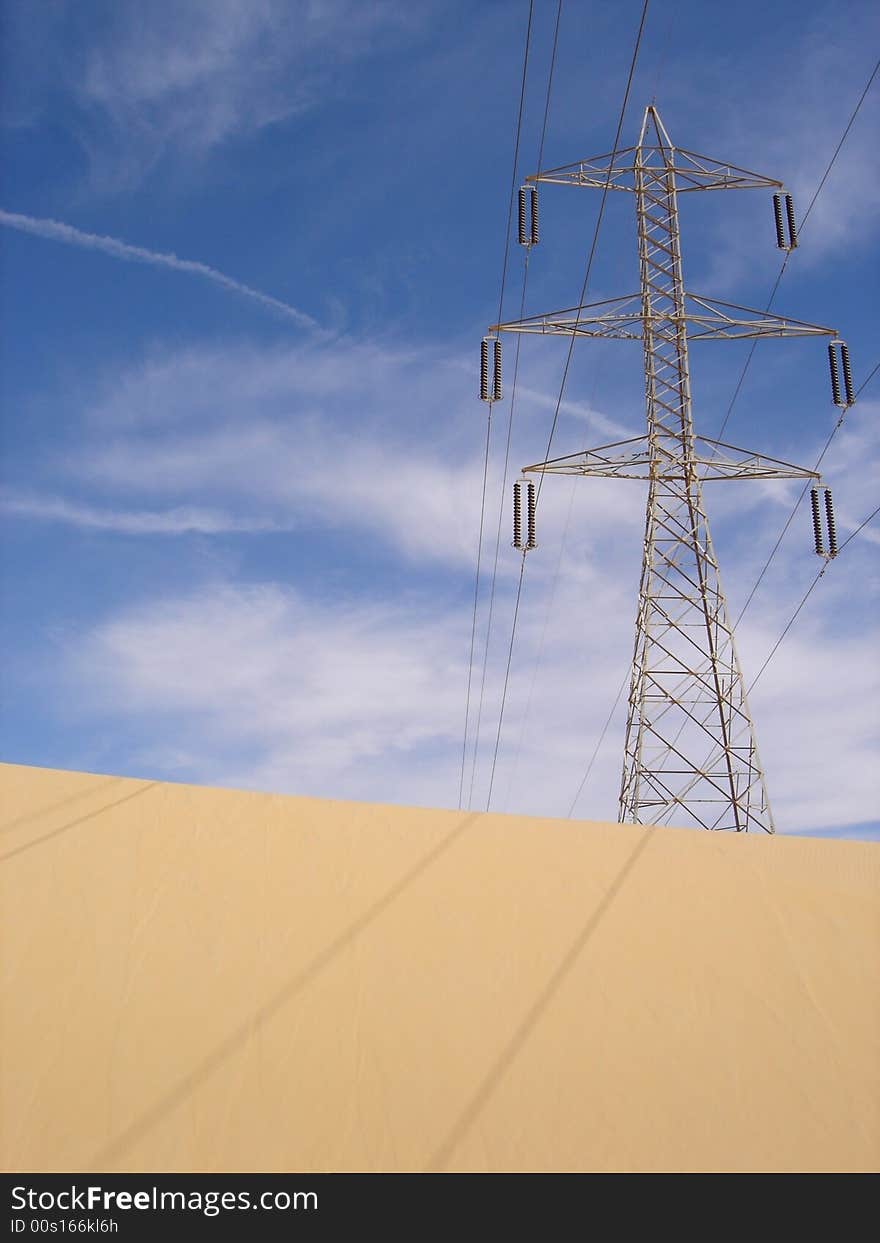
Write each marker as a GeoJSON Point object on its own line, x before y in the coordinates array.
{"type": "Point", "coordinates": [633, 459]}
{"type": "Point", "coordinates": [691, 172]}
{"type": "Point", "coordinates": [683, 170]}
{"type": "Point", "coordinates": [613, 171]}
{"type": "Point", "coordinates": [710, 319]}
{"type": "Point", "coordinates": [615, 318]}
{"type": "Point", "coordinates": [704, 319]}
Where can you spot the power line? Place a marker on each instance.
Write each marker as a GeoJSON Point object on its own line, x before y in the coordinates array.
{"type": "Point", "coordinates": [525, 282]}
{"type": "Point", "coordinates": [806, 215]}
{"type": "Point", "coordinates": [467, 708]}
{"type": "Point", "coordinates": [564, 379]}
{"type": "Point", "coordinates": [598, 745]}
{"type": "Point", "coordinates": [667, 42]}
{"type": "Point", "coordinates": [549, 85]}
{"type": "Point", "coordinates": [870, 377]}
{"type": "Point", "coordinates": [807, 594]}
{"type": "Point", "coordinates": [522, 93]}
{"type": "Point", "coordinates": [797, 503]}
{"type": "Point", "coordinates": [547, 614]}
{"type": "Point", "coordinates": [498, 538]}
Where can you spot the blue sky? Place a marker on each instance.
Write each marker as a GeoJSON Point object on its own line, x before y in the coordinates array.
{"type": "Point", "coordinates": [239, 537]}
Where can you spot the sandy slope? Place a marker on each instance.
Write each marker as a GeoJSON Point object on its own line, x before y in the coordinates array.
{"type": "Point", "coordinates": [199, 979]}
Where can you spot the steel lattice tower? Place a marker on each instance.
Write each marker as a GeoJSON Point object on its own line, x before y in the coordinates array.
{"type": "Point", "coordinates": [690, 755]}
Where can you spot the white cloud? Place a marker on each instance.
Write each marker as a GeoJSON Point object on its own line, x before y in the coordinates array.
{"type": "Point", "coordinates": [177, 521]}
{"type": "Point", "coordinates": [347, 694]}
{"type": "Point", "coordinates": [378, 443]}
{"type": "Point", "coordinates": [594, 419]}
{"type": "Point", "coordinates": [188, 76]}
{"type": "Point", "coordinates": [56, 231]}
{"type": "Point", "coordinates": [817, 714]}
{"type": "Point", "coordinates": [320, 694]}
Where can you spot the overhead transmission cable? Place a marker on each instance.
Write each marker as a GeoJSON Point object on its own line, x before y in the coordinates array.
{"type": "Point", "coordinates": [807, 594]}
{"type": "Point", "coordinates": [565, 371]}
{"type": "Point", "coordinates": [804, 219]}
{"type": "Point", "coordinates": [501, 509]}
{"type": "Point", "coordinates": [548, 613]}
{"type": "Point", "coordinates": [667, 43]}
{"type": "Point", "coordinates": [804, 491]}
{"type": "Point", "coordinates": [598, 745]}
{"type": "Point", "coordinates": [522, 93]}
{"type": "Point", "coordinates": [476, 744]}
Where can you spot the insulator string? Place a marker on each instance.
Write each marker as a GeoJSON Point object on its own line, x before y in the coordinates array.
{"type": "Point", "coordinates": [835, 376]}
{"type": "Point", "coordinates": [832, 529]}
{"type": "Point", "coordinates": [533, 216]}
{"type": "Point", "coordinates": [780, 227]}
{"type": "Point", "coordinates": [817, 522]}
{"type": "Point", "coordinates": [792, 223]}
{"type": "Point", "coordinates": [847, 374]}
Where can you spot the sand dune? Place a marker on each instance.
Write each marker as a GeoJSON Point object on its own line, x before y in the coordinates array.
{"type": "Point", "coordinates": [198, 979]}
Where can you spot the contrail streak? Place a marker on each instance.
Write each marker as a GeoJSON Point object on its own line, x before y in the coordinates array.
{"type": "Point", "coordinates": [58, 232]}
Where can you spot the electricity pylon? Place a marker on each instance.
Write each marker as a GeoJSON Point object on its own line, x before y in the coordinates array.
{"type": "Point", "coordinates": [690, 755]}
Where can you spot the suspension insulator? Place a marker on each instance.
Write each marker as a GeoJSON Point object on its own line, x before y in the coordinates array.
{"type": "Point", "coordinates": [780, 226]}
{"type": "Point", "coordinates": [847, 376]}
{"type": "Point", "coordinates": [531, 505]}
{"type": "Point", "coordinates": [523, 212]}
{"type": "Point", "coordinates": [817, 522]}
{"type": "Point", "coordinates": [484, 369]}
{"type": "Point", "coordinates": [792, 223]}
{"type": "Point", "coordinates": [835, 375]}
{"type": "Point", "coordinates": [832, 526]}
{"type": "Point", "coordinates": [517, 515]}
{"type": "Point", "coordinates": [534, 216]}
{"type": "Point", "coordinates": [496, 379]}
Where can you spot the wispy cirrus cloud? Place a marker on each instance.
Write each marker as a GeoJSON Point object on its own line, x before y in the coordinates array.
{"type": "Point", "coordinates": [241, 64]}
{"type": "Point", "coordinates": [180, 78]}
{"type": "Point", "coordinates": [180, 520]}
{"type": "Point", "coordinates": [351, 437]}
{"type": "Point", "coordinates": [323, 692]}
{"type": "Point", "coordinates": [56, 231]}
